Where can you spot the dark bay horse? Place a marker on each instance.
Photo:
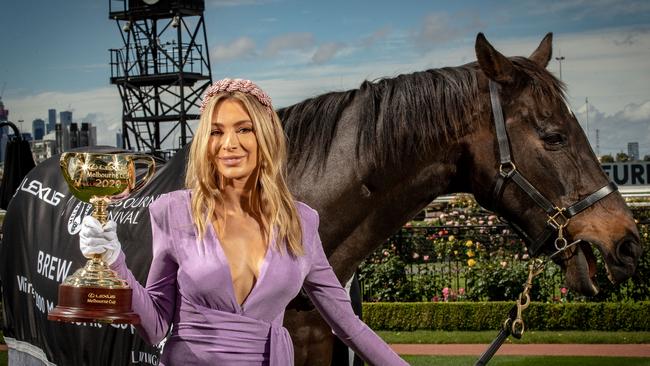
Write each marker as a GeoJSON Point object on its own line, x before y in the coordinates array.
{"type": "Point", "coordinates": [369, 159]}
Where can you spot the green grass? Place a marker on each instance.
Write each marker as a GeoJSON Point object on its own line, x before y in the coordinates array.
{"type": "Point", "coordinates": [451, 337]}
{"type": "Point", "coordinates": [527, 361]}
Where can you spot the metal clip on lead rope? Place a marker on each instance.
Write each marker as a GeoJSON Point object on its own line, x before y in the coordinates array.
{"type": "Point", "coordinates": [534, 269]}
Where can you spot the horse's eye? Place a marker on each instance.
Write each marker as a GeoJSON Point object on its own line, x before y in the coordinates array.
{"type": "Point", "coordinates": [554, 139]}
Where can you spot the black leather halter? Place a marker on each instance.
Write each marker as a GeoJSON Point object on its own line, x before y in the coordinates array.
{"type": "Point", "coordinates": [558, 218]}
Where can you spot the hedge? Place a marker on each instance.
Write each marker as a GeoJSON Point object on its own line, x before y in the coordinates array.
{"type": "Point", "coordinates": [607, 316]}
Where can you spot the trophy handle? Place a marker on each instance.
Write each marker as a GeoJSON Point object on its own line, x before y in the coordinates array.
{"type": "Point", "coordinates": [151, 167]}
{"type": "Point", "coordinates": [64, 161]}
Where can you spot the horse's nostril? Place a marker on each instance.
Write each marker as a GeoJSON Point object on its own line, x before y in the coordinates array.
{"type": "Point", "coordinates": [628, 251]}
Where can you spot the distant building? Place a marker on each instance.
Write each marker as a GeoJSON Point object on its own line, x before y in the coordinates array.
{"type": "Point", "coordinates": [42, 150]}
{"type": "Point", "coordinates": [4, 117]}
{"type": "Point", "coordinates": [633, 151]}
{"type": "Point", "coordinates": [51, 120]}
{"type": "Point", "coordinates": [4, 113]}
{"type": "Point", "coordinates": [118, 140]}
{"type": "Point", "coordinates": [38, 129]}
{"type": "Point", "coordinates": [66, 118]}
{"type": "Point", "coordinates": [92, 135]}
{"type": "Point", "coordinates": [4, 138]}
{"type": "Point", "coordinates": [62, 138]}
{"type": "Point", "coordinates": [72, 137]}
{"type": "Point", "coordinates": [84, 135]}
{"type": "Point", "coordinates": [88, 135]}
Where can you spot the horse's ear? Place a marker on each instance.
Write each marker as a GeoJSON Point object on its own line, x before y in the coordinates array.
{"type": "Point", "coordinates": [495, 65]}
{"type": "Point", "coordinates": [542, 55]}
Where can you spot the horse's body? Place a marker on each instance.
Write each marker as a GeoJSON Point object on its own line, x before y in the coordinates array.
{"type": "Point", "coordinates": [369, 159]}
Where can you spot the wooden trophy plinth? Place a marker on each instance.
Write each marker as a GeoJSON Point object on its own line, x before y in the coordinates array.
{"type": "Point", "coordinates": [94, 293]}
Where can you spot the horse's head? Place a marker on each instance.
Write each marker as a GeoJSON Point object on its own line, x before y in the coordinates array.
{"type": "Point", "coordinates": [548, 149]}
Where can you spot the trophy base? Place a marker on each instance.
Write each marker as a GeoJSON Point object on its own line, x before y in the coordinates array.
{"type": "Point", "coordinates": [94, 304]}
{"type": "Point", "coordinates": [74, 315]}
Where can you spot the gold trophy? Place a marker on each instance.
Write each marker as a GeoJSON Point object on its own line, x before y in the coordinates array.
{"type": "Point", "coordinates": [95, 293]}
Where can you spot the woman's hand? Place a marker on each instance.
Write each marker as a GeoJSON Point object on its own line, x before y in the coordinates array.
{"type": "Point", "coordinates": [97, 239]}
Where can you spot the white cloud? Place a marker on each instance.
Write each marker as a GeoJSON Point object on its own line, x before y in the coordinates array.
{"type": "Point", "coordinates": [326, 51]}
{"type": "Point", "coordinates": [288, 42]}
{"type": "Point", "coordinates": [610, 133]}
{"type": "Point", "coordinates": [435, 28]}
{"type": "Point", "coordinates": [580, 9]}
{"type": "Point", "coordinates": [636, 112]}
{"type": "Point", "coordinates": [439, 28]}
{"type": "Point", "coordinates": [613, 74]}
{"type": "Point", "coordinates": [376, 36]}
{"type": "Point", "coordinates": [241, 47]}
{"type": "Point", "coordinates": [597, 64]}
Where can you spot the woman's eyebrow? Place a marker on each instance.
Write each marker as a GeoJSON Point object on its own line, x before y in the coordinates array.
{"type": "Point", "coordinates": [219, 124]}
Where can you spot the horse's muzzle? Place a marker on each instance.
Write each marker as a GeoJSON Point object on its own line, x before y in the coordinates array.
{"type": "Point", "coordinates": [627, 253]}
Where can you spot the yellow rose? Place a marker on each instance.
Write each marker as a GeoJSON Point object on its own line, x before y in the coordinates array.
{"type": "Point", "coordinates": [470, 253]}
{"type": "Point", "coordinates": [469, 243]}
{"type": "Point", "coordinates": [471, 262]}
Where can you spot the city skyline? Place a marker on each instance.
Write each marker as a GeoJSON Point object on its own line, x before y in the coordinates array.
{"type": "Point", "coordinates": [296, 50]}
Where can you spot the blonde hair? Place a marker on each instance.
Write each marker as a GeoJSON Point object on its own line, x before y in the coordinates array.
{"type": "Point", "coordinates": [270, 199]}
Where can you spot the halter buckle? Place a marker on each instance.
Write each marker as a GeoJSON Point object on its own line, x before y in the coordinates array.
{"type": "Point", "coordinates": [508, 169]}
{"type": "Point", "coordinates": [558, 220]}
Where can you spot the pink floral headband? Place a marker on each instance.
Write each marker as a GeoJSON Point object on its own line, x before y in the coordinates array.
{"type": "Point", "coordinates": [240, 85]}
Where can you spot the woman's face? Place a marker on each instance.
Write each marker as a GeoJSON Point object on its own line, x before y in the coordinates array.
{"type": "Point", "coordinates": [233, 145]}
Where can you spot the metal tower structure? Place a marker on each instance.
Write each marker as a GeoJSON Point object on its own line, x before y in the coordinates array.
{"type": "Point", "coordinates": [161, 71]}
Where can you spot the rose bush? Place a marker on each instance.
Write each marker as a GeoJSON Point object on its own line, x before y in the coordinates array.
{"type": "Point", "coordinates": [458, 245]}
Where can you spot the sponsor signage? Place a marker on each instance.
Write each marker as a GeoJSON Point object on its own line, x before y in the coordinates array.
{"type": "Point", "coordinates": [629, 173]}
{"type": "Point", "coordinates": [40, 249]}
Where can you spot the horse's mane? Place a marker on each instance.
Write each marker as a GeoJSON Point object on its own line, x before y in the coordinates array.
{"type": "Point", "coordinates": [407, 115]}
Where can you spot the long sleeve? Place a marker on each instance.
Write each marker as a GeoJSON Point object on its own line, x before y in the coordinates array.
{"type": "Point", "coordinates": [333, 303]}
{"type": "Point", "coordinates": [154, 304]}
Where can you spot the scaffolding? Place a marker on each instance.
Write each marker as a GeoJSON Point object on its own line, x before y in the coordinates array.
{"type": "Point", "coordinates": [161, 71]}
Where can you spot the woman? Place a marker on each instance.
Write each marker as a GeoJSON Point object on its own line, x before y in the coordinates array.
{"type": "Point", "coordinates": [233, 249]}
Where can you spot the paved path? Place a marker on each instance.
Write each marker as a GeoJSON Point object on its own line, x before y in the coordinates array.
{"type": "Point", "coordinates": [615, 350]}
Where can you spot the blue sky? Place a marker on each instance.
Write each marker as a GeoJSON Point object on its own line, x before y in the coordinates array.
{"type": "Point", "coordinates": [55, 53]}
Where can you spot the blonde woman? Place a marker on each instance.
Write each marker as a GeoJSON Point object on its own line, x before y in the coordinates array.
{"type": "Point", "coordinates": [231, 250]}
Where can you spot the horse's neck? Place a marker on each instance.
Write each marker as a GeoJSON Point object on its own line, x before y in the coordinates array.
{"type": "Point", "coordinates": [361, 207]}
{"type": "Point", "coordinates": [384, 212]}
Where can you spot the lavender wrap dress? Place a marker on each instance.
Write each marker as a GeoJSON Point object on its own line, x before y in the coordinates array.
{"type": "Point", "coordinates": [190, 288]}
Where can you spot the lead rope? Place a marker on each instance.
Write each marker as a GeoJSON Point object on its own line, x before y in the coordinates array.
{"type": "Point", "coordinates": [514, 324]}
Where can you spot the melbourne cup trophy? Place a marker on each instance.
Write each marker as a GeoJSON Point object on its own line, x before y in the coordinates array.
{"type": "Point", "coordinates": [95, 293]}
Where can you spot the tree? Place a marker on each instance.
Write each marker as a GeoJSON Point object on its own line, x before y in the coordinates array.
{"type": "Point", "coordinates": [646, 158]}
{"type": "Point", "coordinates": [607, 158]}
{"type": "Point", "coordinates": [622, 157]}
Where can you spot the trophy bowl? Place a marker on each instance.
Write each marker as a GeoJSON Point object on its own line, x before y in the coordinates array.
{"type": "Point", "coordinates": [95, 293]}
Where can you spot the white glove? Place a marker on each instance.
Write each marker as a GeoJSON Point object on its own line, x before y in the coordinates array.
{"type": "Point", "coordinates": [95, 239]}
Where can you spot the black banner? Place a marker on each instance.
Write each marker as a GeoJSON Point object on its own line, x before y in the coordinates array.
{"type": "Point", "coordinates": [40, 248]}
